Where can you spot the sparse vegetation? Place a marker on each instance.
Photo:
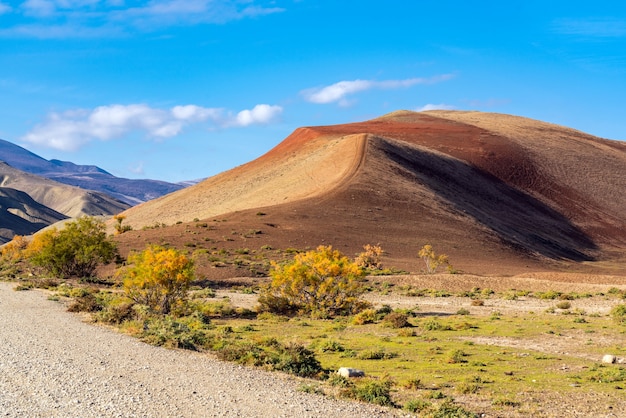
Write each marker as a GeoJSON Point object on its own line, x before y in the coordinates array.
{"type": "Point", "coordinates": [440, 349]}
{"type": "Point", "coordinates": [619, 314]}
{"type": "Point", "coordinates": [119, 228]}
{"type": "Point", "coordinates": [431, 260]}
{"type": "Point", "coordinates": [446, 351]}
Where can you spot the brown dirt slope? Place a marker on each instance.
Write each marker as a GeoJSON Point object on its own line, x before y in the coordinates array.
{"type": "Point", "coordinates": [305, 164]}
{"type": "Point", "coordinates": [498, 193]}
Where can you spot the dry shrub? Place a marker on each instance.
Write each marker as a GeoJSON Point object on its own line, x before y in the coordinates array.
{"type": "Point", "coordinates": [370, 258]}
{"type": "Point", "coordinates": [85, 303]}
{"type": "Point", "coordinates": [396, 320]}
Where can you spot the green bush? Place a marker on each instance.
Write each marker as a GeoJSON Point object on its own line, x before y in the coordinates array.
{"type": "Point", "coordinates": [115, 310]}
{"type": "Point", "coordinates": [188, 333]}
{"type": "Point", "coordinates": [376, 354]}
{"type": "Point", "coordinates": [337, 380]}
{"type": "Point", "coordinates": [434, 325]}
{"type": "Point", "coordinates": [450, 410]}
{"type": "Point", "coordinates": [373, 392]}
{"type": "Point", "coordinates": [618, 313]}
{"type": "Point", "coordinates": [456, 356]}
{"type": "Point", "coordinates": [330, 346]}
{"type": "Point", "coordinates": [550, 294]}
{"type": "Point", "coordinates": [74, 251]}
{"type": "Point", "coordinates": [564, 304]}
{"type": "Point", "coordinates": [415, 383]}
{"type": "Point", "coordinates": [296, 359]}
{"type": "Point", "coordinates": [290, 358]}
{"type": "Point", "coordinates": [417, 405]}
{"type": "Point", "coordinates": [468, 387]}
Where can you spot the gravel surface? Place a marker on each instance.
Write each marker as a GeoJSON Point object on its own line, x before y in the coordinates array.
{"type": "Point", "coordinates": [54, 365]}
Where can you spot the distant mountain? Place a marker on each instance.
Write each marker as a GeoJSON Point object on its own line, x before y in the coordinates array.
{"type": "Point", "coordinates": [131, 191]}
{"type": "Point", "coordinates": [29, 202]}
{"type": "Point", "coordinates": [69, 200]}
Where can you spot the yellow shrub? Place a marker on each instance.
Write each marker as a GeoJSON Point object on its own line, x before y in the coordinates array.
{"type": "Point", "coordinates": [13, 251]}
{"type": "Point", "coordinates": [431, 259]}
{"type": "Point", "coordinates": [158, 277]}
{"type": "Point", "coordinates": [370, 258]}
{"type": "Point", "coordinates": [322, 282]}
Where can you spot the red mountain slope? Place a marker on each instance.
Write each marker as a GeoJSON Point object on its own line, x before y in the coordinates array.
{"type": "Point", "coordinates": [495, 192]}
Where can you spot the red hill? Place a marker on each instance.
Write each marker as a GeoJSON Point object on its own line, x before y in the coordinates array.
{"type": "Point", "coordinates": [497, 193]}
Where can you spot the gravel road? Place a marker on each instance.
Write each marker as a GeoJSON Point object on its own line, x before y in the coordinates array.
{"type": "Point", "coordinates": [54, 365]}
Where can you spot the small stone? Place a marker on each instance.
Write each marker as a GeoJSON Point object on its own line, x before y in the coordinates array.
{"type": "Point", "coordinates": [349, 372]}
{"type": "Point", "coordinates": [609, 359]}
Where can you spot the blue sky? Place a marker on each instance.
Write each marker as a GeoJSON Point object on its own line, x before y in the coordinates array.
{"type": "Point", "coordinates": [184, 89]}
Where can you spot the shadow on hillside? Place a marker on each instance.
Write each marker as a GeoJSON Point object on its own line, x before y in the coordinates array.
{"type": "Point", "coordinates": [520, 220]}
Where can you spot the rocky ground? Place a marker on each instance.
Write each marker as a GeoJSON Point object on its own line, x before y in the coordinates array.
{"type": "Point", "coordinates": [54, 365]}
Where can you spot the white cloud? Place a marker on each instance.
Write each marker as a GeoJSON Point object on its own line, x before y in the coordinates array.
{"type": "Point", "coordinates": [431, 106]}
{"type": "Point", "coordinates": [337, 92]}
{"type": "Point", "coordinates": [4, 8]}
{"type": "Point", "coordinates": [72, 129]}
{"type": "Point", "coordinates": [160, 13]}
{"type": "Point", "coordinates": [193, 113]}
{"type": "Point", "coordinates": [39, 8]}
{"type": "Point", "coordinates": [88, 18]}
{"type": "Point", "coordinates": [260, 114]}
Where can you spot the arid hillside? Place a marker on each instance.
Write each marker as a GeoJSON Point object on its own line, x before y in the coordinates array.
{"type": "Point", "coordinates": [29, 203]}
{"type": "Point", "coordinates": [21, 215]}
{"type": "Point", "coordinates": [497, 193]}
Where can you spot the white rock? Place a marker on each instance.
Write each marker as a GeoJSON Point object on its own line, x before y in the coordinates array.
{"type": "Point", "coordinates": [609, 358]}
{"type": "Point", "coordinates": [348, 372]}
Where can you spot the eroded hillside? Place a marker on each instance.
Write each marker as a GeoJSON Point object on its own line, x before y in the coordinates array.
{"type": "Point", "coordinates": [490, 190]}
